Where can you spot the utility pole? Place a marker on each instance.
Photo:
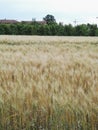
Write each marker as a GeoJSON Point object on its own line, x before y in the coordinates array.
{"type": "Point", "coordinates": [75, 22]}
{"type": "Point", "coordinates": [33, 19]}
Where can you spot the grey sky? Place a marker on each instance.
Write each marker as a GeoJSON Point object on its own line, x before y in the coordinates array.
{"type": "Point", "coordinates": [66, 11]}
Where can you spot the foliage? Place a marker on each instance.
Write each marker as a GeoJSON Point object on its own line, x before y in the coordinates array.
{"type": "Point", "coordinates": [50, 28]}
{"type": "Point", "coordinates": [49, 19]}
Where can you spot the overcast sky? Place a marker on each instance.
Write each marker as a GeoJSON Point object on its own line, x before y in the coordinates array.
{"type": "Point", "coordinates": [66, 11]}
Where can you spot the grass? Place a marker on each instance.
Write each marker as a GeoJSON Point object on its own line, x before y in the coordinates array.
{"type": "Point", "coordinates": [48, 83]}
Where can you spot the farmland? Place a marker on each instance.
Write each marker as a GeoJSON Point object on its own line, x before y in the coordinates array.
{"type": "Point", "coordinates": [48, 83]}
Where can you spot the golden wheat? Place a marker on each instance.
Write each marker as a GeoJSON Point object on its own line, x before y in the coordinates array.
{"type": "Point", "coordinates": [48, 83]}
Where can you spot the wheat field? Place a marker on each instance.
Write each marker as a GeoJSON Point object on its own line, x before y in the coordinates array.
{"type": "Point", "coordinates": [48, 83]}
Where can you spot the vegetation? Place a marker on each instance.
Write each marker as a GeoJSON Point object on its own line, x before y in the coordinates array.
{"type": "Point", "coordinates": [49, 19]}
{"type": "Point", "coordinates": [48, 83]}
{"type": "Point", "coordinates": [48, 28]}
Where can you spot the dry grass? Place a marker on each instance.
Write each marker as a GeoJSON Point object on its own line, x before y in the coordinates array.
{"type": "Point", "coordinates": [48, 83]}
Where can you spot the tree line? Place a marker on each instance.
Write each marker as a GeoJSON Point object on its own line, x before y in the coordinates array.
{"type": "Point", "coordinates": [50, 28]}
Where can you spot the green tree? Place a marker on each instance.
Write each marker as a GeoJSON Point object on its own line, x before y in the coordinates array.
{"type": "Point", "coordinates": [92, 29]}
{"type": "Point", "coordinates": [47, 30]}
{"type": "Point", "coordinates": [20, 30]}
{"type": "Point", "coordinates": [13, 29]}
{"type": "Point", "coordinates": [53, 29]}
{"type": "Point", "coordinates": [2, 30]}
{"type": "Point", "coordinates": [41, 30]}
{"type": "Point", "coordinates": [49, 19]}
{"type": "Point", "coordinates": [68, 30]}
{"type": "Point", "coordinates": [60, 29]}
{"type": "Point", "coordinates": [84, 30]}
{"type": "Point", "coordinates": [27, 29]}
{"type": "Point", "coordinates": [96, 33]}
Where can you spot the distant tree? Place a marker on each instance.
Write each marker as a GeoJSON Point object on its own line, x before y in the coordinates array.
{"type": "Point", "coordinates": [27, 29]}
{"type": "Point", "coordinates": [41, 30]}
{"type": "Point", "coordinates": [49, 19]}
{"type": "Point", "coordinates": [47, 30]}
{"type": "Point", "coordinates": [84, 30]}
{"type": "Point", "coordinates": [60, 29]}
{"type": "Point", "coordinates": [51, 28]}
{"type": "Point", "coordinates": [2, 29]}
{"type": "Point", "coordinates": [35, 29]}
{"type": "Point", "coordinates": [96, 33]}
{"type": "Point", "coordinates": [13, 29]}
{"type": "Point", "coordinates": [68, 30]}
{"type": "Point", "coordinates": [92, 29]}
{"type": "Point", "coordinates": [20, 29]}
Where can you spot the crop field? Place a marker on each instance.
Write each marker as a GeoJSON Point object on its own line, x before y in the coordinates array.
{"type": "Point", "coordinates": [48, 83]}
